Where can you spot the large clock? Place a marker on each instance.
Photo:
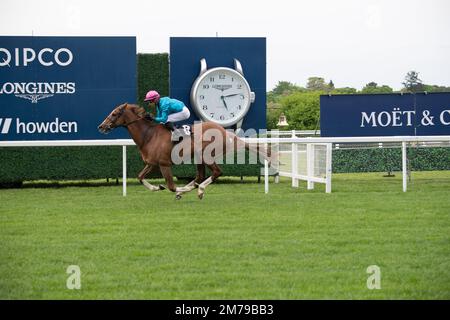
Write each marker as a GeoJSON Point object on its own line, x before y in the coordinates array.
{"type": "Point", "coordinates": [221, 95]}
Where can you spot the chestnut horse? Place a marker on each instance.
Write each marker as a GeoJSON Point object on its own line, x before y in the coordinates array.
{"type": "Point", "coordinates": [155, 145]}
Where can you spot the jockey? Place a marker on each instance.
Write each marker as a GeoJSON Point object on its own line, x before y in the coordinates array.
{"type": "Point", "coordinates": [168, 110]}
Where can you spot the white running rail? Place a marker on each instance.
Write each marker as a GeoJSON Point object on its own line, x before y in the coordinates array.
{"type": "Point", "coordinates": [294, 141]}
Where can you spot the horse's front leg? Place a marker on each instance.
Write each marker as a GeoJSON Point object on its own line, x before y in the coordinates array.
{"type": "Point", "coordinates": [141, 176]}
{"type": "Point", "coordinates": [166, 171]}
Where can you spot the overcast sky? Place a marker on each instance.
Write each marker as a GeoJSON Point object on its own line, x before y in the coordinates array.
{"type": "Point", "coordinates": [351, 42]}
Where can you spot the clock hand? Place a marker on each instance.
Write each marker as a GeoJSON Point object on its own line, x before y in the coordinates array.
{"type": "Point", "coordinates": [224, 103]}
{"type": "Point", "coordinates": [231, 95]}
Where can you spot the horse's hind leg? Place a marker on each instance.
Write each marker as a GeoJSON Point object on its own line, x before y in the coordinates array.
{"type": "Point", "coordinates": [194, 183]}
{"type": "Point", "coordinates": [141, 176]}
{"type": "Point", "coordinates": [215, 173]}
{"type": "Point", "coordinates": [200, 174]}
{"type": "Point", "coordinates": [189, 187]}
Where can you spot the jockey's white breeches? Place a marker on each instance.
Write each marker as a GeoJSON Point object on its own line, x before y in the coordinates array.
{"type": "Point", "coordinates": [179, 116]}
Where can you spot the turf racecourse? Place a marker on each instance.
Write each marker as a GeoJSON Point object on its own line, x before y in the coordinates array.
{"type": "Point", "coordinates": [237, 243]}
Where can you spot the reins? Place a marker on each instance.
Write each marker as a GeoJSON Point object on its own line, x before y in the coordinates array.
{"type": "Point", "coordinates": [136, 120]}
{"type": "Point", "coordinates": [145, 132]}
{"type": "Point", "coordinates": [133, 121]}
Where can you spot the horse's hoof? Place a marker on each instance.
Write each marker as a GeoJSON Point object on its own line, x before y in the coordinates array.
{"type": "Point", "coordinates": [200, 196]}
{"type": "Point", "coordinates": [178, 197]}
{"type": "Point", "coordinates": [161, 187]}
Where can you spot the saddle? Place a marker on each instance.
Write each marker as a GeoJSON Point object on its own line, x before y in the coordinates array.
{"type": "Point", "coordinates": [177, 133]}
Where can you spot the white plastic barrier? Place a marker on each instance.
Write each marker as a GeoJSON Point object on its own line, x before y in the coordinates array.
{"type": "Point", "coordinates": [295, 142]}
{"type": "Point", "coordinates": [310, 162]}
{"type": "Point", "coordinates": [74, 143]}
{"type": "Point", "coordinates": [404, 140]}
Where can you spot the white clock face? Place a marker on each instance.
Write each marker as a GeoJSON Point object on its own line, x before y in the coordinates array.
{"type": "Point", "coordinates": [221, 95]}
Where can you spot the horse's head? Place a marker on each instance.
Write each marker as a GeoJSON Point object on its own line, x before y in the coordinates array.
{"type": "Point", "coordinates": [122, 115]}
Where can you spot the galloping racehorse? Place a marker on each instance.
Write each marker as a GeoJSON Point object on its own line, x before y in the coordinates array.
{"type": "Point", "coordinates": [155, 145]}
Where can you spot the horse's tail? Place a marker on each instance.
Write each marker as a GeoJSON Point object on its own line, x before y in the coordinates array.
{"type": "Point", "coordinates": [260, 149]}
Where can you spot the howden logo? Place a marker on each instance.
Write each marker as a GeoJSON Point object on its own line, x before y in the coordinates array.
{"type": "Point", "coordinates": [52, 127]}
{"type": "Point", "coordinates": [4, 125]}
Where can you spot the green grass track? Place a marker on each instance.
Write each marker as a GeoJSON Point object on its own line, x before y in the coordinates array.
{"type": "Point", "coordinates": [236, 243]}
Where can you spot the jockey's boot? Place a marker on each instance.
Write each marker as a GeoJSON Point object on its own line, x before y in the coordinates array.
{"type": "Point", "coordinates": [169, 125]}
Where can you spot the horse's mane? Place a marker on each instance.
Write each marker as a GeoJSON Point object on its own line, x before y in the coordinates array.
{"type": "Point", "coordinates": [141, 113]}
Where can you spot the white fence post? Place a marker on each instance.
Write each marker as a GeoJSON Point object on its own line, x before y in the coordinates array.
{"type": "Point", "coordinates": [310, 165]}
{"type": "Point", "coordinates": [124, 170]}
{"type": "Point", "coordinates": [329, 168]}
{"type": "Point", "coordinates": [404, 166]}
{"type": "Point", "coordinates": [276, 160]}
{"type": "Point", "coordinates": [266, 176]}
{"type": "Point", "coordinates": [294, 162]}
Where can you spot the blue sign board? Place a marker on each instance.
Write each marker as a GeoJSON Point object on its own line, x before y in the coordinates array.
{"type": "Point", "coordinates": [61, 88]}
{"type": "Point", "coordinates": [185, 56]}
{"type": "Point", "coordinates": [406, 114]}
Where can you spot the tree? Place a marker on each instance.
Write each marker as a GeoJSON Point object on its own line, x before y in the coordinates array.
{"type": "Point", "coordinates": [344, 90]}
{"type": "Point", "coordinates": [273, 115]}
{"type": "Point", "coordinates": [282, 89]}
{"type": "Point", "coordinates": [285, 88]}
{"type": "Point", "coordinates": [302, 110]}
{"type": "Point", "coordinates": [372, 87]}
{"type": "Point", "coordinates": [435, 88]}
{"type": "Point", "coordinates": [316, 84]}
{"type": "Point", "coordinates": [331, 85]}
{"type": "Point", "coordinates": [412, 82]}
{"type": "Point", "coordinates": [271, 97]}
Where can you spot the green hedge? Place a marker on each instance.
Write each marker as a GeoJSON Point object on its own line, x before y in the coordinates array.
{"type": "Point", "coordinates": [152, 73]}
{"type": "Point", "coordinates": [83, 163]}
{"type": "Point", "coordinates": [386, 160]}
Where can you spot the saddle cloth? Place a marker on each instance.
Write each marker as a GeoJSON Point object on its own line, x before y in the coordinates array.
{"type": "Point", "coordinates": [179, 133]}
